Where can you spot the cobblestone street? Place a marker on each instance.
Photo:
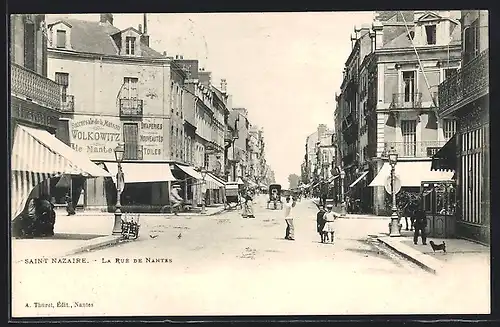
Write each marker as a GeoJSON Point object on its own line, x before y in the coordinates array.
{"type": "Point", "coordinates": [226, 264]}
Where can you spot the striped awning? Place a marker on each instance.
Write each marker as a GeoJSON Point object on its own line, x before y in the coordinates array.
{"type": "Point", "coordinates": [38, 155]}
{"type": "Point", "coordinates": [213, 183]}
{"type": "Point", "coordinates": [142, 172]}
{"type": "Point", "coordinates": [190, 171]}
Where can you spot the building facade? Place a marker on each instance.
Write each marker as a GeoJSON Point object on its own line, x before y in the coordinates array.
{"type": "Point", "coordinates": [464, 98]}
{"type": "Point", "coordinates": [310, 168]}
{"type": "Point", "coordinates": [389, 100]}
{"type": "Point", "coordinates": [118, 89]}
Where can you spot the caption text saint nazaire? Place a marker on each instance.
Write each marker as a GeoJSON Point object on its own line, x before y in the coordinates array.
{"type": "Point", "coordinates": [103, 260]}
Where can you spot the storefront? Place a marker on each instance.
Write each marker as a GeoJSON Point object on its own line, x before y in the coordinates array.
{"type": "Point", "coordinates": [147, 186]}
{"type": "Point", "coordinates": [38, 156]}
{"type": "Point", "coordinates": [411, 174]}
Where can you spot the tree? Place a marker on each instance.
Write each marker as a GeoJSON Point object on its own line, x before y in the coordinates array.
{"type": "Point", "coordinates": [293, 180]}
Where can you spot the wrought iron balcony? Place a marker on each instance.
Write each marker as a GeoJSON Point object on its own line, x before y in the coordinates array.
{"type": "Point", "coordinates": [131, 107]}
{"type": "Point", "coordinates": [468, 84]}
{"type": "Point", "coordinates": [422, 149]}
{"type": "Point", "coordinates": [406, 100]}
{"type": "Point", "coordinates": [28, 85]}
{"type": "Point", "coordinates": [68, 104]}
{"type": "Point", "coordinates": [133, 152]}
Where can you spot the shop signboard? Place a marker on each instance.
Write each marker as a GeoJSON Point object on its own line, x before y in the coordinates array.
{"type": "Point", "coordinates": [151, 138]}
{"type": "Point", "coordinates": [96, 136]}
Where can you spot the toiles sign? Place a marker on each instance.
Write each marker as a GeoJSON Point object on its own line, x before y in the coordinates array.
{"type": "Point", "coordinates": [96, 136]}
{"type": "Point", "coordinates": [151, 138]}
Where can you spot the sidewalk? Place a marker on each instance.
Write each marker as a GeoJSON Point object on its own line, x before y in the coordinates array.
{"type": "Point", "coordinates": [85, 231]}
{"type": "Point", "coordinates": [461, 255]}
{"type": "Point", "coordinates": [210, 210]}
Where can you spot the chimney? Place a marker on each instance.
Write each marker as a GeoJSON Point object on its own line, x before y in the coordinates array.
{"type": "Point", "coordinates": [145, 36]}
{"type": "Point", "coordinates": [165, 53]}
{"type": "Point", "coordinates": [379, 34]}
{"type": "Point", "coordinates": [140, 28]}
{"type": "Point", "coordinates": [223, 85]}
{"type": "Point", "coordinates": [106, 18]}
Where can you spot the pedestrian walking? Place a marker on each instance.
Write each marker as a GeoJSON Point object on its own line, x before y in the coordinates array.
{"type": "Point", "coordinates": [330, 217]}
{"type": "Point", "coordinates": [420, 222]}
{"type": "Point", "coordinates": [69, 205]}
{"type": "Point", "coordinates": [248, 205]}
{"type": "Point", "coordinates": [289, 205]}
{"type": "Point", "coordinates": [320, 223]}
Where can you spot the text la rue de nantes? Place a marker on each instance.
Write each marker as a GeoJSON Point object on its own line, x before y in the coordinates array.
{"type": "Point", "coordinates": [80, 260]}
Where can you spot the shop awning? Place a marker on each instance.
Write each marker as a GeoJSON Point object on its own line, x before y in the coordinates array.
{"type": "Point", "coordinates": [240, 181]}
{"type": "Point", "coordinates": [252, 184]}
{"type": "Point", "coordinates": [446, 159]}
{"type": "Point", "coordinates": [138, 172]}
{"type": "Point", "coordinates": [38, 155]}
{"type": "Point", "coordinates": [213, 182]}
{"type": "Point", "coordinates": [411, 173]}
{"type": "Point", "coordinates": [331, 179]}
{"type": "Point", "coordinates": [358, 179]}
{"type": "Point", "coordinates": [190, 171]}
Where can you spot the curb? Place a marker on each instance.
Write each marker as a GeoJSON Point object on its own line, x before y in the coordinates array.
{"type": "Point", "coordinates": [422, 260]}
{"type": "Point", "coordinates": [94, 244]}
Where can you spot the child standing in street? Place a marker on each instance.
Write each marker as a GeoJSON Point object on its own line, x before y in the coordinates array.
{"type": "Point", "coordinates": [329, 218]}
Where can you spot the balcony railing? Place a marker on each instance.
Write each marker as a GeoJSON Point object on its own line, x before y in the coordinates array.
{"type": "Point", "coordinates": [467, 84]}
{"type": "Point", "coordinates": [423, 149]}
{"type": "Point", "coordinates": [68, 105]}
{"type": "Point", "coordinates": [406, 100]}
{"type": "Point", "coordinates": [31, 86]}
{"type": "Point", "coordinates": [132, 152]}
{"type": "Point", "coordinates": [131, 108]}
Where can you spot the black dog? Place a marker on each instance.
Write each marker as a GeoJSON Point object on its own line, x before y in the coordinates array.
{"type": "Point", "coordinates": [437, 247]}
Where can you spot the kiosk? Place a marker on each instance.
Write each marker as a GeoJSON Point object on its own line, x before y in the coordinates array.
{"type": "Point", "coordinates": [439, 204]}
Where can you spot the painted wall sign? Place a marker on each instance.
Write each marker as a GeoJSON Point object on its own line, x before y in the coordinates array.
{"type": "Point", "coordinates": [34, 113]}
{"type": "Point", "coordinates": [151, 138]}
{"type": "Point", "coordinates": [96, 136]}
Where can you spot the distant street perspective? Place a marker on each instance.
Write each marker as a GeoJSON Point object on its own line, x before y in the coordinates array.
{"type": "Point", "coordinates": [327, 163]}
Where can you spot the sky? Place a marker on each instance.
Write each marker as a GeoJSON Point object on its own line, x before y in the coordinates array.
{"type": "Point", "coordinates": [285, 68]}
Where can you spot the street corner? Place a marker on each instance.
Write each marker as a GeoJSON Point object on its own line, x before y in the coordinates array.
{"type": "Point", "coordinates": [424, 261]}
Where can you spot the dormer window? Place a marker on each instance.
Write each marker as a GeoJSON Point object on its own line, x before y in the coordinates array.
{"type": "Point", "coordinates": [61, 39]}
{"type": "Point", "coordinates": [430, 31]}
{"type": "Point", "coordinates": [130, 45]}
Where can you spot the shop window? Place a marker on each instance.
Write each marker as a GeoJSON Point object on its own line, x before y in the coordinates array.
{"type": "Point", "coordinates": [430, 31]}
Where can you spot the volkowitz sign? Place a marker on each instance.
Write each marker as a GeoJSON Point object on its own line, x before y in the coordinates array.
{"type": "Point", "coordinates": [96, 136]}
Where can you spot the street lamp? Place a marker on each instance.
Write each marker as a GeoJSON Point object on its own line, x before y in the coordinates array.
{"type": "Point", "coordinates": [342, 204]}
{"type": "Point", "coordinates": [119, 151]}
{"type": "Point", "coordinates": [204, 190]}
{"type": "Point", "coordinates": [394, 226]}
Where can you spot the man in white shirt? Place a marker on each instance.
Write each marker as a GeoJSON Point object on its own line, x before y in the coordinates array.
{"type": "Point", "coordinates": [289, 205]}
{"type": "Point", "coordinates": [175, 199]}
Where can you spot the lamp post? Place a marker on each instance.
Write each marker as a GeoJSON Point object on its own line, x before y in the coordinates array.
{"type": "Point", "coordinates": [204, 190]}
{"type": "Point", "coordinates": [394, 226]}
{"type": "Point", "coordinates": [342, 204]}
{"type": "Point", "coordinates": [119, 151]}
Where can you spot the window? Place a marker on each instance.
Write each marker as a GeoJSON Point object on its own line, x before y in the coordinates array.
{"type": "Point", "coordinates": [130, 88]}
{"type": "Point", "coordinates": [471, 41]}
{"type": "Point", "coordinates": [409, 132]}
{"type": "Point", "coordinates": [61, 39]}
{"type": "Point", "coordinates": [430, 31]}
{"type": "Point", "coordinates": [130, 45]}
{"type": "Point", "coordinates": [449, 128]}
{"type": "Point", "coordinates": [29, 46]}
{"type": "Point", "coordinates": [130, 138]}
{"type": "Point", "coordinates": [63, 80]}
{"type": "Point", "coordinates": [409, 85]}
